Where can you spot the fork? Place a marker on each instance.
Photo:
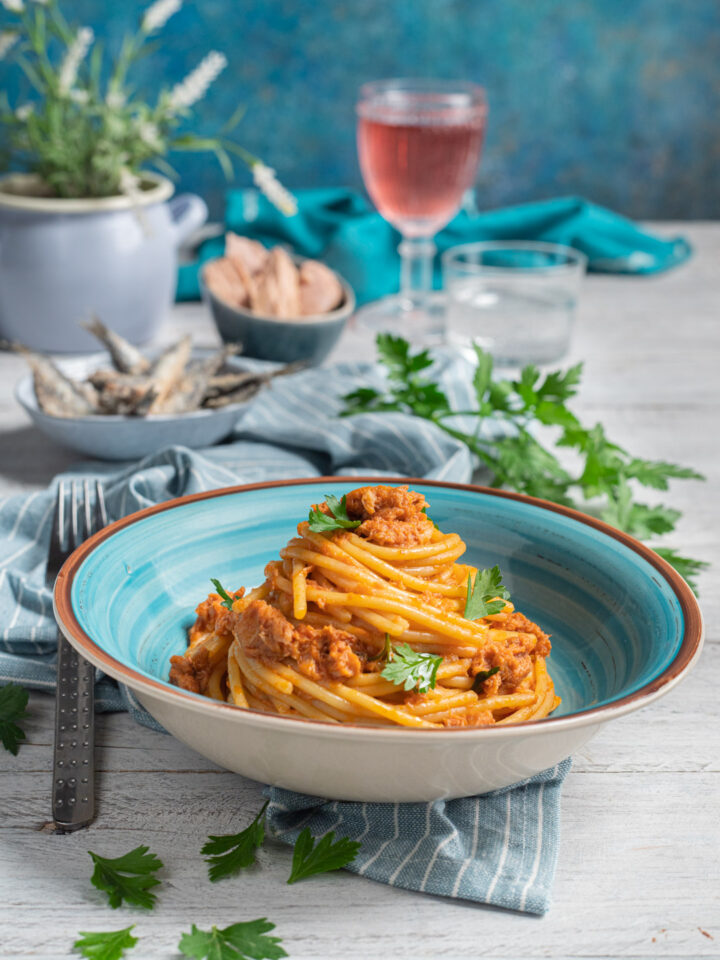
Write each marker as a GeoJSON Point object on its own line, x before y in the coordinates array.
{"type": "Point", "coordinates": [73, 789]}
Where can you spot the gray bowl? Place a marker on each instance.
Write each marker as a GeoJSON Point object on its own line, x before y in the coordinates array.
{"type": "Point", "coordinates": [116, 437]}
{"type": "Point", "coordinates": [309, 339]}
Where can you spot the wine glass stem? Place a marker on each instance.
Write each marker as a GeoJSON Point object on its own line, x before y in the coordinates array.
{"type": "Point", "coordinates": [416, 271]}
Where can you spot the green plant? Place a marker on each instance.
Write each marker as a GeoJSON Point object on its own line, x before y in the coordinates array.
{"type": "Point", "coordinates": [607, 474]}
{"type": "Point", "coordinates": [85, 131]}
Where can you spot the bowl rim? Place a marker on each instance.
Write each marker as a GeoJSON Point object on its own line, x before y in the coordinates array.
{"type": "Point", "coordinates": [341, 312]}
{"type": "Point", "coordinates": [684, 660]}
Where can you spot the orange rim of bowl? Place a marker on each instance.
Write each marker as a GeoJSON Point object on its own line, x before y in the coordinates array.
{"type": "Point", "coordinates": [689, 648]}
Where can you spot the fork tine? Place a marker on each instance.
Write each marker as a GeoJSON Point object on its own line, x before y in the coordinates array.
{"type": "Point", "coordinates": [100, 512]}
{"type": "Point", "coordinates": [74, 531]}
{"type": "Point", "coordinates": [87, 511]}
{"type": "Point", "coordinates": [57, 533]}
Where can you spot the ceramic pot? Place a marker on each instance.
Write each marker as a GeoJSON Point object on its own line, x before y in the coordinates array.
{"type": "Point", "coordinates": [62, 260]}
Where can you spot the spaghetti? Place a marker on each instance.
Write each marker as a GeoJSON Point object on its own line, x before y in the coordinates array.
{"type": "Point", "coordinates": [368, 595]}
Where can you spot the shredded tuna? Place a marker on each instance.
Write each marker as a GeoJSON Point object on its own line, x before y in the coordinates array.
{"type": "Point", "coordinates": [513, 655]}
{"type": "Point", "coordinates": [212, 616]}
{"type": "Point", "coordinates": [520, 623]}
{"type": "Point", "coordinates": [473, 717]}
{"type": "Point", "coordinates": [320, 653]}
{"type": "Point", "coordinates": [391, 516]}
{"type": "Point", "coordinates": [191, 674]}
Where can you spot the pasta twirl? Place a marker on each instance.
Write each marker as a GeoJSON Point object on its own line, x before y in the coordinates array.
{"type": "Point", "coordinates": [344, 598]}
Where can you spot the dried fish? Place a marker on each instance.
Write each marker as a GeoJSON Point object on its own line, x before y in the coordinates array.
{"type": "Point", "coordinates": [190, 390]}
{"type": "Point", "coordinates": [242, 395]}
{"type": "Point", "coordinates": [126, 357]}
{"type": "Point", "coordinates": [168, 371]}
{"type": "Point", "coordinates": [122, 393]}
{"type": "Point", "coordinates": [57, 394]}
{"type": "Point", "coordinates": [173, 384]}
{"type": "Point", "coordinates": [227, 382]}
{"type": "Point", "coordinates": [248, 386]}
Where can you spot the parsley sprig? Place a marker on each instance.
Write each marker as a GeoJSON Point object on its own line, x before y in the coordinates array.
{"type": "Point", "coordinates": [13, 703]}
{"type": "Point", "coordinates": [227, 600]}
{"type": "Point", "coordinates": [106, 944]}
{"type": "Point", "coordinates": [337, 519]}
{"type": "Point", "coordinates": [231, 853]}
{"type": "Point", "coordinates": [311, 857]}
{"type": "Point", "coordinates": [482, 676]}
{"type": "Point", "coordinates": [239, 941]}
{"type": "Point", "coordinates": [607, 473]}
{"type": "Point", "coordinates": [481, 594]}
{"type": "Point", "coordinates": [128, 878]}
{"type": "Point", "coordinates": [410, 669]}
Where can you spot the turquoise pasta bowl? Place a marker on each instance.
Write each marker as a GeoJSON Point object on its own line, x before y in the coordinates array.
{"type": "Point", "coordinates": [625, 629]}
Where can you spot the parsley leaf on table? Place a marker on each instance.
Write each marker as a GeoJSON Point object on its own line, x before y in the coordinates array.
{"type": "Point", "coordinates": [481, 594]}
{"type": "Point", "coordinates": [227, 600]}
{"type": "Point", "coordinates": [13, 701]}
{"type": "Point", "coordinates": [233, 852]}
{"type": "Point", "coordinates": [106, 944]}
{"type": "Point", "coordinates": [406, 667]}
{"type": "Point", "coordinates": [310, 857]}
{"type": "Point", "coordinates": [128, 878]}
{"type": "Point", "coordinates": [337, 519]}
{"type": "Point", "coordinates": [239, 941]}
{"type": "Point", "coordinates": [530, 406]}
{"type": "Point", "coordinates": [482, 676]}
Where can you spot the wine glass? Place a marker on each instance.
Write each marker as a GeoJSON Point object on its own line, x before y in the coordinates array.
{"type": "Point", "coordinates": [419, 144]}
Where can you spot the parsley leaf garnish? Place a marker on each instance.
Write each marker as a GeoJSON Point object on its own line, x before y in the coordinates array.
{"type": "Point", "coordinates": [337, 519]}
{"type": "Point", "coordinates": [233, 852]}
{"type": "Point", "coordinates": [482, 676]}
{"type": "Point", "coordinates": [239, 941]}
{"type": "Point", "coordinates": [106, 945]}
{"type": "Point", "coordinates": [528, 408]}
{"type": "Point", "coordinates": [480, 594]}
{"type": "Point", "coordinates": [327, 854]}
{"type": "Point", "coordinates": [127, 878]}
{"type": "Point", "coordinates": [385, 653]}
{"type": "Point", "coordinates": [13, 701]}
{"type": "Point", "coordinates": [227, 600]}
{"type": "Point", "coordinates": [406, 667]}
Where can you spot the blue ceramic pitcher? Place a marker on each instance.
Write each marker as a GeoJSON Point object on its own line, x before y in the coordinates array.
{"type": "Point", "coordinates": [63, 260]}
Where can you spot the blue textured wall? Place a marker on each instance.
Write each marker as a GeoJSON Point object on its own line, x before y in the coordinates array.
{"type": "Point", "coordinates": [618, 100]}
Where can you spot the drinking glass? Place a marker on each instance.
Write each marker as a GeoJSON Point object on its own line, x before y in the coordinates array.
{"type": "Point", "coordinates": [515, 299]}
{"type": "Point", "coordinates": [419, 144]}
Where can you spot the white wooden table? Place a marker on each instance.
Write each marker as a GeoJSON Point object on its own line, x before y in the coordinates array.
{"type": "Point", "coordinates": [639, 867]}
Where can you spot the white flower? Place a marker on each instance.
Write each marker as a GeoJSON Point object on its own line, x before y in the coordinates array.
{"type": "Point", "coordinates": [79, 96]}
{"type": "Point", "coordinates": [73, 58]}
{"type": "Point", "coordinates": [115, 99]}
{"type": "Point", "coordinates": [7, 41]}
{"type": "Point", "coordinates": [158, 14]}
{"type": "Point", "coordinates": [129, 183]}
{"type": "Point", "coordinates": [23, 112]}
{"type": "Point", "coordinates": [14, 6]}
{"type": "Point", "coordinates": [276, 193]}
{"type": "Point", "coordinates": [149, 134]}
{"type": "Point", "coordinates": [195, 85]}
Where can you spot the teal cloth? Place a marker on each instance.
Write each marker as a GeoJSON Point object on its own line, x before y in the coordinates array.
{"type": "Point", "coordinates": [339, 226]}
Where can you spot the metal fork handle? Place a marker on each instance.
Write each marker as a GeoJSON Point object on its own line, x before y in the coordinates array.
{"type": "Point", "coordinates": [73, 794]}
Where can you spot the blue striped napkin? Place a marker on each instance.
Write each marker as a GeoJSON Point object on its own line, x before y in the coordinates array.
{"type": "Point", "coordinates": [500, 848]}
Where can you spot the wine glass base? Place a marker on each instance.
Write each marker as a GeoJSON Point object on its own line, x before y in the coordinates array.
{"type": "Point", "coordinates": [422, 326]}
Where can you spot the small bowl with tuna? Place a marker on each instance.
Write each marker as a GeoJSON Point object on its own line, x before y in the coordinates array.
{"type": "Point", "coordinates": [281, 308]}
